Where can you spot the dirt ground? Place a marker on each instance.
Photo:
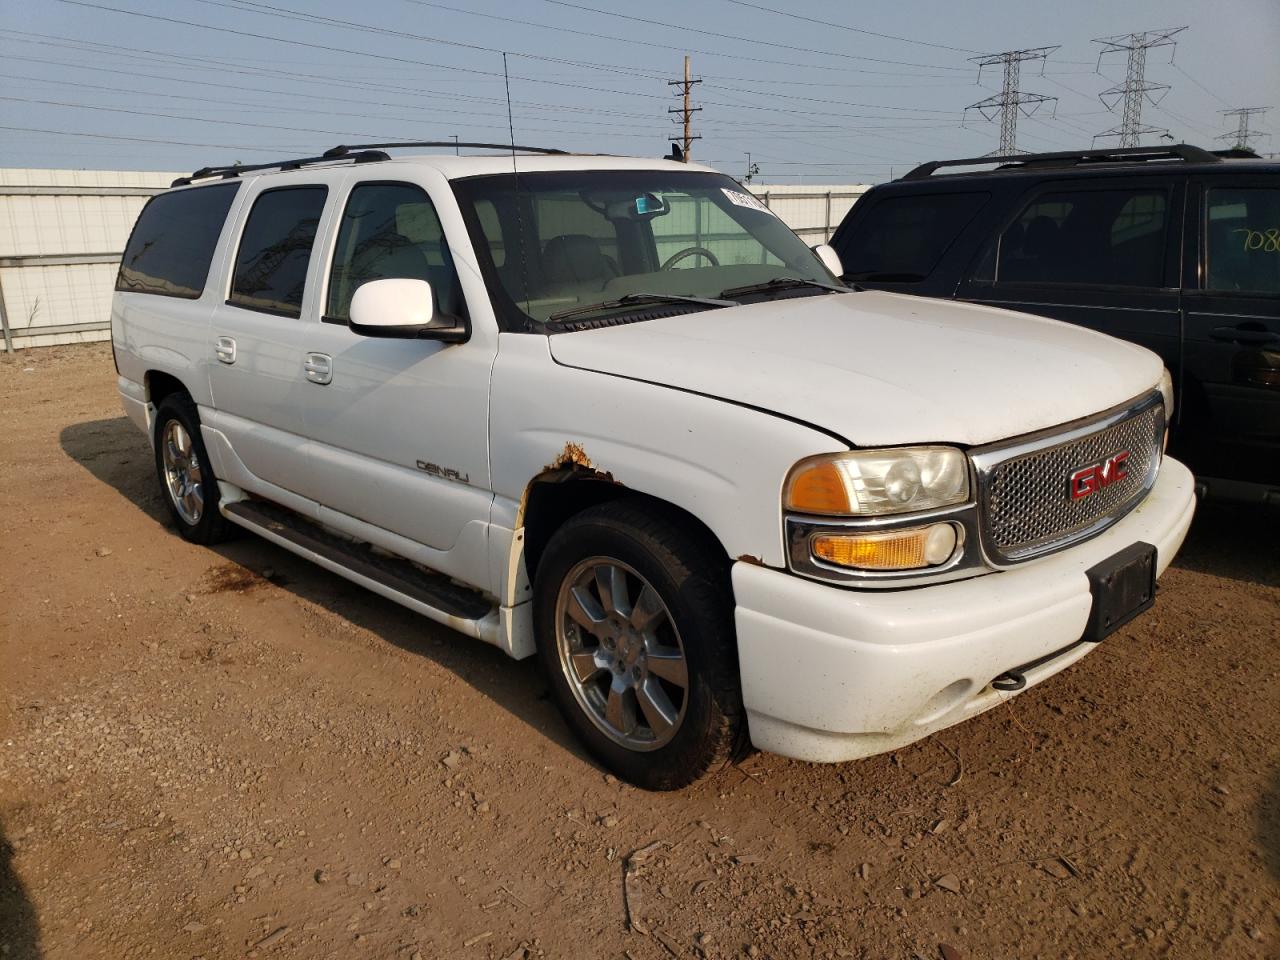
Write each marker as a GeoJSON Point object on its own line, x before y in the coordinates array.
{"type": "Point", "coordinates": [231, 753]}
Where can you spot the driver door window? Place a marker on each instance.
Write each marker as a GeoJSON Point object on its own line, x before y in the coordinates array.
{"type": "Point", "coordinates": [391, 231]}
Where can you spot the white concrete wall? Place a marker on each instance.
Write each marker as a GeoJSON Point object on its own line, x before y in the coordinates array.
{"type": "Point", "coordinates": [812, 211]}
{"type": "Point", "coordinates": [78, 216]}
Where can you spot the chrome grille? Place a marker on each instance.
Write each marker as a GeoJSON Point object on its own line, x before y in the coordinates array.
{"type": "Point", "coordinates": [1024, 490]}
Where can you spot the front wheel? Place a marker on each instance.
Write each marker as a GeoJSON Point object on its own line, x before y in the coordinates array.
{"type": "Point", "coordinates": [635, 631]}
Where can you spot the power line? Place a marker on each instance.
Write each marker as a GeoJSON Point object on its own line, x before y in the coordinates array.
{"type": "Point", "coordinates": [1135, 89]}
{"type": "Point", "coordinates": [208, 63]}
{"type": "Point", "coordinates": [845, 26]}
{"type": "Point", "coordinates": [636, 41]}
{"type": "Point", "coordinates": [258, 148]}
{"type": "Point", "coordinates": [1242, 134]}
{"type": "Point", "coordinates": [1221, 100]}
{"type": "Point", "coordinates": [362, 53]}
{"type": "Point", "coordinates": [685, 28]}
{"type": "Point", "coordinates": [1010, 101]}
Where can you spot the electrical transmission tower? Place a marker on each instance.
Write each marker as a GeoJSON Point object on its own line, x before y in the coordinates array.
{"type": "Point", "coordinates": [686, 110]}
{"type": "Point", "coordinates": [1242, 135]}
{"type": "Point", "coordinates": [1010, 101]}
{"type": "Point", "coordinates": [1135, 88]}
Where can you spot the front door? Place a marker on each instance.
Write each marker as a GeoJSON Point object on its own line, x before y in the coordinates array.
{"type": "Point", "coordinates": [1101, 254]}
{"type": "Point", "coordinates": [1231, 393]}
{"type": "Point", "coordinates": [398, 428]}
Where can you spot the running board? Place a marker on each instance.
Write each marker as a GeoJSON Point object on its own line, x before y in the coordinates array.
{"type": "Point", "coordinates": [430, 594]}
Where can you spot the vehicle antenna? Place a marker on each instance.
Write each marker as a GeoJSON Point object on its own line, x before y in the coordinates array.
{"type": "Point", "coordinates": [515, 174]}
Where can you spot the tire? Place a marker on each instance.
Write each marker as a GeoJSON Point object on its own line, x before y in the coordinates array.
{"type": "Point", "coordinates": [652, 743]}
{"type": "Point", "coordinates": [196, 513]}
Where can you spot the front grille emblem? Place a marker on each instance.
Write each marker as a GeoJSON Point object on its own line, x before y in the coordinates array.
{"type": "Point", "coordinates": [1089, 480]}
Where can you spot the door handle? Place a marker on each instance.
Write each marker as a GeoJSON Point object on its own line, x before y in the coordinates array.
{"type": "Point", "coordinates": [319, 367]}
{"type": "Point", "coordinates": [1247, 335]}
{"type": "Point", "coordinates": [225, 349]}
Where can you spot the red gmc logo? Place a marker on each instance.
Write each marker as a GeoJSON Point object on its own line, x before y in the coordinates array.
{"type": "Point", "coordinates": [1091, 479]}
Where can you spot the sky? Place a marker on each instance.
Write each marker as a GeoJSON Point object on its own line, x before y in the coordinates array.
{"type": "Point", "coordinates": [816, 91]}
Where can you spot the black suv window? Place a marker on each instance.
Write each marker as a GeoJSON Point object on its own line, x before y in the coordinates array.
{"type": "Point", "coordinates": [391, 231]}
{"type": "Point", "coordinates": [1097, 237]}
{"type": "Point", "coordinates": [275, 249]}
{"type": "Point", "coordinates": [172, 243]}
{"type": "Point", "coordinates": [903, 238]}
{"type": "Point", "coordinates": [1242, 240]}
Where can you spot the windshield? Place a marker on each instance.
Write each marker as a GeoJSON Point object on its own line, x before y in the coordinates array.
{"type": "Point", "coordinates": [552, 242]}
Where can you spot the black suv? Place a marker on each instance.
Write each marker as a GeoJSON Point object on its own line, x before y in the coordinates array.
{"type": "Point", "coordinates": [1175, 248]}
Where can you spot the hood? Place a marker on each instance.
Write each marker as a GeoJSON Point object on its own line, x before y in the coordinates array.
{"type": "Point", "coordinates": [879, 368]}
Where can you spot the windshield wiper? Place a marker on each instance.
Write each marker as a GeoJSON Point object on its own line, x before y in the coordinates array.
{"type": "Point", "coordinates": [635, 300]}
{"type": "Point", "coordinates": [780, 283]}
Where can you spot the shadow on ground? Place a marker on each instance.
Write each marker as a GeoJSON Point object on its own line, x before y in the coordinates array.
{"type": "Point", "coordinates": [19, 931]}
{"type": "Point", "coordinates": [1234, 541]}
{"type": "Point", "coordinates": [115, 452]}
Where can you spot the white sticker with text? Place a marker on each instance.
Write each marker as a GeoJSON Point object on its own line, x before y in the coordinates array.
{"type": "Point", "coordinates": [740, 199]}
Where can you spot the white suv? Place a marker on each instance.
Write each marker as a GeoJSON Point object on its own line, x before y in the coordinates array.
{"type": "Point", "coordinates": [613, 413]}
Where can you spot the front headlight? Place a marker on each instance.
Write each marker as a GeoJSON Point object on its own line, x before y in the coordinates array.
{"type": "Point", "coordinates": [877, 482]}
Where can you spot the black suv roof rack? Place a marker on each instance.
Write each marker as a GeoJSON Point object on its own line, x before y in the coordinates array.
{"type": "Point", "coordinates": [356, 153]}
{"type": "Point", "coordinates": [1068, 158]}
{"type": "Point", "coordinates": [343, 149]}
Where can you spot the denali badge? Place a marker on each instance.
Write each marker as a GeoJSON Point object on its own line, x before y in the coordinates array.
{"type": "Point", "coordinates": [444, 473]}
{"type": "Point", "coordinates": [1094, 477]}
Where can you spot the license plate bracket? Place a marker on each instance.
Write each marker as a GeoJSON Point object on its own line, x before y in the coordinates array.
{"type": "Point", "coordinates": [1123, 586]}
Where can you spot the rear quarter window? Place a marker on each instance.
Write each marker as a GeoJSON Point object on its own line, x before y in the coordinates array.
{"type": "Point", "coordinates": [172, 244]}
{"type": "Point", "coordinates": [904, 238]}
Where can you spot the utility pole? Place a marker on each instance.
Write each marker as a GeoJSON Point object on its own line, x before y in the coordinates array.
{"type": "Point", "coordinates": [752, 169]}
{"type": "Point", "coordinates": [1011, 101]}
{"type": "Point", "coordinates": [687, 111]}
{"type": "Point", "coordinates": [456, 151]}
{"type": "Point", "coordinates": [1243, 134]}
{"type": "Point", "coordinates": [1135, 88]}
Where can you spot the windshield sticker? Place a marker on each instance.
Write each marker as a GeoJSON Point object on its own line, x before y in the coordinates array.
{"type": "Point", "coordinates": [740, 199]}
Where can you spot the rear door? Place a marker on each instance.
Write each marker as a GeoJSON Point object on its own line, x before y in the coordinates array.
{"type": "Point", "coordinates": [1100, 253]}
{"type": "Point", "coordinates": [256, 374]}
{"type": "Point", "coordinates": [1231, 393]}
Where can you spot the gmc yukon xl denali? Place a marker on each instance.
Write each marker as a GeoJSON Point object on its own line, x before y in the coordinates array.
{"type": "Point", "coordinates": [612, 413]}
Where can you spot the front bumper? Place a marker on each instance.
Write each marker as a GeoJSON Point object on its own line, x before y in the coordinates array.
{"type": "Point", "coordinates": [831, 674]}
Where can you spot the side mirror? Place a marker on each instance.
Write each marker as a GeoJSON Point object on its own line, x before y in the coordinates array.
{"type": "Point", "coordinates": [401, 308]}
{"type": "Point", "coordinates": [830, 259]}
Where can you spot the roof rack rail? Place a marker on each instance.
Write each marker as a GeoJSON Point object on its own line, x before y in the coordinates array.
{"type": "Point", "coordinates": [1178, 151]}
{"type": "Point", "coordinates": [234, 170]}
{"type": "Point", "coordinates": [343, 149]}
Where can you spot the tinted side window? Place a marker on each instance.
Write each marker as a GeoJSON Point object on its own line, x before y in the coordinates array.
{"type": "Point", "coordinates": [903, 238]}
{"type": "Point", "coordinates": [391, 231]}
{"type": "Point", "coordinates": [275, 248]}
{"type": "Point", "coordinates": [1242, 240]}
{"type": "Point", "coordinates": [172, 243]}
{"type": "Point", "coordinates": [1097, 237]}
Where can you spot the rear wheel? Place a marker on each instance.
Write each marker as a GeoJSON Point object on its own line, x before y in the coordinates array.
{"type": "Point", "coordinates": [635, 630]}
{"type": "Point", "coordinates": [186, 479]}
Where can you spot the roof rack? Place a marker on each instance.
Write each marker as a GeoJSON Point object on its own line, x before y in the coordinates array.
{"type": "Point", "coordinates": [343, 149]}
{"type": "Point", "coordinates": [357, 153]}
{"type": "Point", "coordinates": [234, 170]}
{"type": "Point", "coordinates": [1066, 158]}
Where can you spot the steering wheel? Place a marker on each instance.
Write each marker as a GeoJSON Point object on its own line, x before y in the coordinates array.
{"type": "Point", "coordinates": [676, 257]}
